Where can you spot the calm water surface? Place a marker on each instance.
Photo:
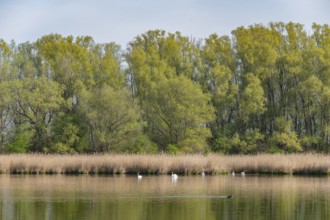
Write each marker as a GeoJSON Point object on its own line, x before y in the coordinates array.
{"type": "Point", "coordinates": [157, 197]}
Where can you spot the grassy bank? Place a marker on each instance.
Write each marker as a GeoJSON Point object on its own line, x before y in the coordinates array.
{"type": "Point", "coordinates": [302, 164]}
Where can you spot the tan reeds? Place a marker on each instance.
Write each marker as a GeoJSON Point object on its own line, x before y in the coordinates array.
{"type": "Point", "coordinates": [164, 164]}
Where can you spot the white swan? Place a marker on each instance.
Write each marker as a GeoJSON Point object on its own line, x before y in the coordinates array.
{"type": "Point", "coordinates": [233, 173]}
{"type": "Point", "coordinates": [139, 177]}
{"type": "Point", "coordinates": [203, 173]}
{"type": "Point", "coordinates": [242, 173]}
{"type": "Point", "coordinates": [174, 176]}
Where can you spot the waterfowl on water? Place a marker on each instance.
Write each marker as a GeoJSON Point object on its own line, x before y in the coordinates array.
{"type": "Point", "coordinates": [242, 173]}
{"type": "Point", "coordinates": [139, 176]}
{"type": "Point", "coordinates": [174, 176]}
{"type": "Point", "coordinates": [233, 173]}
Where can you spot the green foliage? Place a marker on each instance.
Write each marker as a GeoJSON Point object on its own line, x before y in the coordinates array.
{"type": "Point", "coordinates": [21, 141]}
{"type": "Point", "coordinates": [273, 149]}
{"type": "Point", "coordinates": [310, 143]}
{"type": "Point", "coordinates": [284, 138]}
{"type": "Point", "coordinates": [264, 88]}
{"type": "Point", "coordinates": [105, 63]}
{"type": "Point", "coordinates": [222, 144]}
{"type": "Point", "coordinates": [65, 134]}
{"type": "Point", "coordinates": [195, 140]}
{"type": "Point", "coordinates": [68, 134]}
{"type": "Point", "coordinates": [253, 138]}
{"type": "Point", "coordinates": [287, 141]}
{"type": "Point", "coordinates": [245, 144]}
{"type": "Point", "coordinates": [112, 117]}
{"type": "Point", "coordinates": [179, 112]}
{"type": "Point", "coordinates": [20, 144]}
{"type": "Point", "coordinates": [173, 149]}
{"type": "Point", "coordinates": [5, 113]}
{"type": "Point", "coordinates": [237, 144]}
{"type": "Point", "coordinates": [68, 61]}
{"type": "Point", "coordinates": [37, 101]}
{"type": "Point", "coordinates": [142, 144]}
{"type": "Point", "coordinates": [253, 100]}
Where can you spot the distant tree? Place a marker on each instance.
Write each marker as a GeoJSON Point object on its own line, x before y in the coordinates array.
{"type": "Point", "coordinates": [252, 102]}
{"type": "Point", "coordinates": [179, 113]}
{"type": "Point", "coordinates": [35, 102]}
{"type": "Point", "coordinates": [263, 88]}
{"type": "Point", "coordinates": [162, 70]}
{"type": "Point", "coordinates": [284, 138]}
{"type": "Point", "coordinates": [112, 117]}
{"type": "Point", "coordinates": [218, 69]}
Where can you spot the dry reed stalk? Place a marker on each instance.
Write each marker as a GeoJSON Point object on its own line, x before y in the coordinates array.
{"type": "Point", "coordinates": [164, 164]}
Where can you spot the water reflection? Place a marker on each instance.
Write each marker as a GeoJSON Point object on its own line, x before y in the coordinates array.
{"type": "Point", "coordinates": [158, 197]}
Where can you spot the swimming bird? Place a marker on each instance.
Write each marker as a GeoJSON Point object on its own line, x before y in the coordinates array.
{"type": "Point", "coordinates": [139, 177]}
{"type": "Point", "coordinates": [203, 173]}
{"type": "Point", "coordinates": [174, 176]}
{"type": "Point", "coordinates": [233, 173]}
{"type": "Point", "coordinates": [242, 173]}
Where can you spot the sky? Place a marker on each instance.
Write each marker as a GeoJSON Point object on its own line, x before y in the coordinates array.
{"type": "Point", "coordinates": [121, 21]}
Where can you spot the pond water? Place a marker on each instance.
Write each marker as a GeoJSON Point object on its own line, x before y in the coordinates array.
{"type": "Point", "coordinates": [157, 197]}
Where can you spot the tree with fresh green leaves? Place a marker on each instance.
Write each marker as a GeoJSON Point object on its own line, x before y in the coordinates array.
{"type": "Point", "coordinates": [36, 101]}
{"type": "Point", "coordinates": [5, 114]}
{"type": "Point", "coordinates": [5, 68]}
{"type": "Point", "coordinates": [162, 68]}
{"type": "Point", "coordinates": [264, 88]}
{"type": "Point", "coordinates": [105, 62]}
{"type": "Point", "coordinates": [68, 61]}
{"type": "Point", "coordinates": [112, 117]}
{"type": "Point", "coordinates": [179, 114]}
{"type": "Point", "coordinates": [218, 79]}
{"type": "Point", "coordinates": [284, 138]}
{"type": "Point", "coordinates": [252, 101]}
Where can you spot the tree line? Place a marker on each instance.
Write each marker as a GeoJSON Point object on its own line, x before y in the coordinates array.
{"type": "Point", "coordinates": [261, 89]}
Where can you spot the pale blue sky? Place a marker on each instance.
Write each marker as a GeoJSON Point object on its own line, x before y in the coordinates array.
{"type": "Point", "coordinates": [122, 20]}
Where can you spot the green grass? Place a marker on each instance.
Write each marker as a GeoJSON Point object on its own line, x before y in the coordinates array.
{"type": "Point", "coordinates": [295, 164]}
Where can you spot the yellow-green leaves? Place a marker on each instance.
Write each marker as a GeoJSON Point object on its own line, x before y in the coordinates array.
{"type": "Point", "coordinates": [261, 88]}
{"type": "Point", "coordinates": [113, 118]}
{"type": "Point", "coordinates": [218, 78]}
{"type": "Point", "coordinates": [105, 63]}
{"type": "Point", "coordinates": [69, 61]}
{"type": "Point", "coordinates": [179, 112]}
{"type": "Point", "coordinates": [161, 67]}
{"type": "Point", "coordinates": [256, 47]}
{"type": "Point", "coordinates": [284, 137]}
{"type": "Point", "coordinates": [36, 101]}
{"type": "Point", "coordinates": [252, 100]}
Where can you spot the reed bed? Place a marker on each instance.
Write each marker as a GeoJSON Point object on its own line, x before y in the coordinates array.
{"type": "Point", "coordinates": [295, 164]}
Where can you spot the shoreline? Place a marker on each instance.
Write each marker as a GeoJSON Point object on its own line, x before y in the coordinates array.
{"type": "Point", "coordinates": [212, 164]}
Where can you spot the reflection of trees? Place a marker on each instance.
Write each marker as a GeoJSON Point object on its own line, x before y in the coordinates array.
{"type": "Point", "coordinates": [86, 197]}
{"type": "Point", "coordinates": [276, 198]}
{"type": "Point", "coordinates": [7, 204]}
